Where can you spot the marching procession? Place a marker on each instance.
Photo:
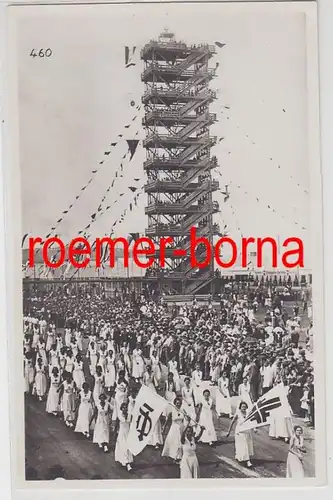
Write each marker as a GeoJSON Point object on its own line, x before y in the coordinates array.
{"type": "Point", "coordinates": [131, 372]}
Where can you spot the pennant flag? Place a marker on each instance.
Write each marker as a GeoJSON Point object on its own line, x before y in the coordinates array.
{"type": "Point", "coordinates": [274, 401]}
{"type": "Point", "coordinates": [132, 188]}
{"type": "Point", "coordinates": [114, 144]}
{"type": "Point", "coordinates": [65, 212]}
{"type": "Point", "coordinates": [58, 221]}
{"type": "Point", "coordinates": [147, 410]}
{"type": "Point", "coordinates": [126, 54]}
{"type": "Point", "coordinates": [101, 162]}
{"type": "Point", "coordinates": [120, 135]}
{"type": "Point", "coordinates": [23, 239]}
{"type": "Point", "coordinates": [93, 171]}
{"type": "Point", "coordinates": [130, 64]}
{"type": "Point", "coordinates": [121, 194]}
{"type": "Point", "coordinates": [127, 126]}
{"type": "Point", "coordinates": [133, 237]}
{"type": "Point", "coordinates": [130, 207]}
{"type": "Point", "coordinates": [132, 103]}
{"type": "Point", "coordinates": [107, 153]}
{"type": "Point", "coordinates": [219, 44]}
{"type": "Point", "coordinates": [132, 145]}
{"type": "Point", "coordinates": [136, 179]}
{"type": "Point", "coordinates": [93, 216]}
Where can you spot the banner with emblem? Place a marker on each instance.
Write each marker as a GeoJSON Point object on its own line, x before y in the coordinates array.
{"type": "Point", "coordinates": [147, 410]}
{"type": "Point", "coordinates": [274, 402]}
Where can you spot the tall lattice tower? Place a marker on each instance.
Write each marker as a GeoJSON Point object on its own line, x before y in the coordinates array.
{"type": "Point", "coordinates": [178, 155]}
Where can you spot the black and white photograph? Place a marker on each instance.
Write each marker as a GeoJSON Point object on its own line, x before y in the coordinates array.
{"type": "Point", "coordinates": [168, 218]}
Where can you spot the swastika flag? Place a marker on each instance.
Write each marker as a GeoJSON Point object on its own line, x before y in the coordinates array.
{"type": "Point", "coordinates": [272, 403]}
{"type": "Point", "coordinates": [147, 410]}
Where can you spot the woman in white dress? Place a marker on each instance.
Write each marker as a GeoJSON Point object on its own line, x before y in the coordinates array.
{"type": "Point", "coordinates": [35, 337]}
{"type": "Point", "coordinates": [243, 440]}
{"type": "Point", "coordinates": [206, 419]}
{"type": "Point", "coordinates": [295, 468]}
{"type": "Point", "coordinates": [78, 373]}
{"type": "Point", "coordinates": [120, 366]}
{"type": "Point", "coordinates": [73, 346]}
{"type": "Point", "coordinates": [78, 337]}
{"type": "Point", "coordinates": [68, 336]}
{"type": "Point", "coordinates": [169, 392]}
{"type": "Point", "coordinates": [133, 392]}
{"type": "Point", "coordinates": [109, 343]}
{"type": "Point", "coordinates": [86, 411]}
{"type": "Point", "coordinates": [58, 341]}
{"type": "Point", "coordinates": [53, 358]}
{"type": "Point", "coordinates": [173, 368]}
{"type": "Point", "coordinates": [215, 370]}
{"type": "Point", "coordinates": [102, 358]}
{"type": "Point", "coordinates": [156, 366]}
{"type": "Point", "coordinates": [102, 427]}
{"type": "Point", "coordinates": [281, 427]}
{"type": "Point", "coordinates": [70, 360]}
{"type": "Point", "coordinates": [127, 359]}
{"type": "Point", "coordinates": [40, 379]}
{"type": "Point", "coordinates": [41, 352]}
{"type": "Point", "coordinates": [29, 372]}
{"type": "Point", "coordinates": [50, 338]}
{"type": "Point", "coordinates": [172, 445]}
{"type": "Point", "coordinates": [223, 402]}
{"type": "Point", "coordinates": [92, 357]}
{"type": "Point", "coordinates": [149, 379]}
{"type": "Point", "coordinates": [188, 398]}
{"type": "Point", "coordinates": [121, 396]}
{"type": "Point", "coordinates": [138, 364]}
{"type": "Point", "coordinates": [122, 453]}
{"type": "Point", "coordinates": [62, 359]}
{"type": "Point", "coordinates": [110, 374]}
{"type": "Point", "coordinates": [99, 384]}
{"type": "Point", "coordinates": [67, 395]}
{"type": "Point", "coordinates": [189, 465]}
{"type": "Point", "coordinates": [196, 383]}
{"type": "Point", "coordinates": [244, 392]}
{"type": "Point", "coordinates": [52, 402]}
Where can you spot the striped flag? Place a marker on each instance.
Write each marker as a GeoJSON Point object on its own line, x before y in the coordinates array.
{"type": "Point", "coordinates": [274, 401]}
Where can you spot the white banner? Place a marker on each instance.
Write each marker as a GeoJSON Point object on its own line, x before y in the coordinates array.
{"type": "Point", "coordinates": [147, 410]}
{"type": "Point", "coordinates": [274, 402]}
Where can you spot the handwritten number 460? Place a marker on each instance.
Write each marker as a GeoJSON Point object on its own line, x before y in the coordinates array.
{"type": "Point", "coordinates": [41, 53]}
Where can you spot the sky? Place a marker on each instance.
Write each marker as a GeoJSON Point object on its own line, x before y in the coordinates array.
{"type": "Point", "coordinates": [74, 104]}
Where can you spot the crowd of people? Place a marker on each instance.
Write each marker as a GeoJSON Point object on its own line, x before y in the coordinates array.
{"type": "Point", "coordinates": [207, 360]}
